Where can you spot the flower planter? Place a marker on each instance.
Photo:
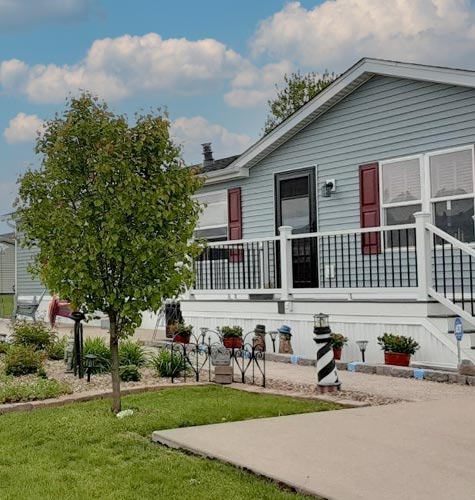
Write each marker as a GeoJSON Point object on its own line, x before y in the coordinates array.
{"type": "Point", "coordinates": [337, 353]}
{"type": "Point", "coordinates": [232, 342]}
{"type": "Point", "coordinates": [181, 339]}
{"type": "Point", "coordinates": [397, 358]}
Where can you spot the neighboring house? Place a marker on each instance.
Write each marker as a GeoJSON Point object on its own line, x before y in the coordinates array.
{"type": "Point", "coordinates": [385, 141]}
{"type": "Point", "coordinates": [7, 263]}
{"type": "Point", "coordinates": [343, 178]}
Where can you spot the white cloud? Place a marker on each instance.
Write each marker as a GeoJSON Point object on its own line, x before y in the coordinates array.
{"type": "Point", "coordinates": [115, 68]}
{"type": "Point", "coordinates": [16, 14]}
{"type": "Point", "coordinates": [23, 128]}
{"type": "Point", "coordinates": [254, 86]}
{"type": "Point", "coordinates": [336, 33]}
{"type": "Point", "coordinates": [192, 132]}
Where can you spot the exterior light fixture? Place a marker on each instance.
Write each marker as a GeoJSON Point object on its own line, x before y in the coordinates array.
{"type": "Point", "coordinates": [273, 337]}
{"type": "Point", "coordinates": [320, 322]}
{"type": "Point", "coordinates": [90, 364]}
{"type": "Point", "coordinates": [362, 346]}
{"type": "Point", "coordinates": [328, 188]}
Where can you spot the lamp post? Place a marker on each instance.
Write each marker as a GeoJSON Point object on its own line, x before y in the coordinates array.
{"type": "Point", "coordinates": [362, 346]}
{"type": "Point", "coordinates": [90, 364]}
{"type": "Point", "coordinates": [273, 337]}
{"type": "Point", "coordinates": [327, 376]}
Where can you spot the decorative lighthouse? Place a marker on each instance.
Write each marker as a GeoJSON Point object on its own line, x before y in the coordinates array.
{"type": "Point", "coordinates": [327, 376]}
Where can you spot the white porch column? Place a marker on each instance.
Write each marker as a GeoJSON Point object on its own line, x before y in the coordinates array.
{"type": "Point", "coordinates": [286, 277]}
{"type": "Point", "coordinates": [423, 252]}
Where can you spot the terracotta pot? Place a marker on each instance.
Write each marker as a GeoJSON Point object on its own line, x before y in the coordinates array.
{"type": "Point", "coordinates": [182, 339]}
{"type": "Point", "coordinates": [397, 358]}
{"type": "Point", "coordinates": [337, 353]}
{"type": "Point", "coordinates": [232, 342]}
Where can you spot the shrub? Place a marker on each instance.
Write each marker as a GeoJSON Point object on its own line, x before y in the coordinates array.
{"type": "Point", "coordinates": [398, 343]}
{"type": "Point", "coordinates": [231, 331]}
{"type": "Point", "coordinates": [4, 348]}
{"type": "Point", "coordinates": [132, 353]}
{"type": "Point", "coordinates": [56, 349]}
{"type": "Point", "coordinates": [167, 363]}
{"type": "Point", "coordinates": [11, 391]}
{"type": "Point", "coordinates": [338, 340]}
{"type": "Point", "coordinates": [35, 334]}
{"type": "Point", "coordinates": [98, 347]}
{"type": "Point", "coordinates": [129, 373]}
{"type": "Point", "coordinates": [21, 360]}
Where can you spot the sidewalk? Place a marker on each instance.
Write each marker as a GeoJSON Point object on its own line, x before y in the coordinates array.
{"type": "Point", "coordinates": [413, 451]}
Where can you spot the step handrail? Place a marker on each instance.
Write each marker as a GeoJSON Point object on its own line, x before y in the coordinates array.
{"type": "Point", "coordinates": [454, 241]}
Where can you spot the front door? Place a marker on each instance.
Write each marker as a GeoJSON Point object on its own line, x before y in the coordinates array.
{"type": "Point", "coordinates": [296, 207]}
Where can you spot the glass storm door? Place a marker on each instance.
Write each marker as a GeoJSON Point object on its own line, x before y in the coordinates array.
{"type": "Point", "coordinates": [296, 206]}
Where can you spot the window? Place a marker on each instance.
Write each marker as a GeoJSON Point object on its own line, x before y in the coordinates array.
{"type": "Point", "coordinates": [452, 193]}
{"type": "Point", "coordinates": [213, 222]}
{"type": "Point", "coordinates": [401, 198]}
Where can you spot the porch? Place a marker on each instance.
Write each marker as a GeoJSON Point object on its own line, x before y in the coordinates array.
{"type": "Point", "coordinates": [414, 262]}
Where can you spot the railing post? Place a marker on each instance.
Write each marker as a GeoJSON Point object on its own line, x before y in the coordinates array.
{"type": "Point", "coordinates": [286, 277]}
{"type": "Point", "coordinates": [423, 253]}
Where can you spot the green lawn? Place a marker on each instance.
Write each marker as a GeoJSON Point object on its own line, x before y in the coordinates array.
{"type": "Point", "coordinates": [81, 451]}
{"type": "Point", "coordinates": [6, 306]}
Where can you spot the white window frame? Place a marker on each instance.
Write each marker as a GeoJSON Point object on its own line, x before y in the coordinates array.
{"type": "Point", "coordinates": [214, 226]}
{"type": "Point", "coordinates": [426, 200]}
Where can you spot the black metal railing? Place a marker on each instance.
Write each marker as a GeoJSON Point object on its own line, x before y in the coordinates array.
{"type": "Point", "coordinates": [453, 272]}
{"type": "Point", "coordinates": [358, 260]}
{"type": "Point", "coordinates": [242, 266]}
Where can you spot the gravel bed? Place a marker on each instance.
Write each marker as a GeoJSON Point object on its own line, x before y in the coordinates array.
{"type": "Point", "coordinates": [100, 382]}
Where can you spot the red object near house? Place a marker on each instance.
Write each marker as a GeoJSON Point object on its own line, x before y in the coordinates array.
{"type": "Point", "coordinates": [397, 358]}
{"type": "Point", "coordinates": [181, 339]}
{"type": "Point", "coordinates": [60, 308]}
{"type": "Point", "coordinates": [232, 342]}
{"type": "Point", "coordinates": [369, 207]}
{"type": "Point", "coordinates": [337, 353]}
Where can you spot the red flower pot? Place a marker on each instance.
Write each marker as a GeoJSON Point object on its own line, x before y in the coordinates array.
{"type": "Point", "coordinates": [232, 342]}
{"type": "Point", "coordinates": [182, 339]}
{"type": "Point", "coordinates": [337, 353]}
{"type": "Point", "coordinates": [397, 358]}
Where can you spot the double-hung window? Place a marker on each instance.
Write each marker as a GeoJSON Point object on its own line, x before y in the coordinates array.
{"type": "Point", "coordinates": [213, 222]}
{"type": "Point", "coordinates": [401, 196]}
{"type": "Point", "coordinates": [452, 192]}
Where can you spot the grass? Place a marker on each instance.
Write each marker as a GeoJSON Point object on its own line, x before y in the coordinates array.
{"type": "Point", "coordinates": [13, 390]}
{"type": "Point", "coordinates": [83, 451]}
{"type": "Point", "coordinates": [6, 306]}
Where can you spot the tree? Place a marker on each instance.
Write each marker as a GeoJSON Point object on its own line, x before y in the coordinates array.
{"type": "Point", "coordinates": [297, 91]}
{"type": "Point", "coordinates": [111, 213]}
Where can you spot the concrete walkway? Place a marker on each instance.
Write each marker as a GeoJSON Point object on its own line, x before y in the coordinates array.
{"type": "Point", "coordinates": [413, 451]}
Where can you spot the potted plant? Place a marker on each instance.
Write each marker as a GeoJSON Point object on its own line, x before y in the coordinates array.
{"type": "Point", "coordinates": [232, 336]}
{"type": "Point", "coordinates": [338, 341]}
{"type": "Point", "coordinates": [397, 349]}
{"type": "Point", "coordinates": [181, 333]}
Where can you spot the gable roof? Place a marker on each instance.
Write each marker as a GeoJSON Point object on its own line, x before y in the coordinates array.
{"type": "Point", "coordinates": [215, 164]}
{"type": "Point", "coordinates": [347, 83]}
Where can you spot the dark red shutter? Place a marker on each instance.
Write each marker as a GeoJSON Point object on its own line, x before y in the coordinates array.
{"type": "Point", "coordinates": [235, 222]}
{"type": "Point", "coordinates": [369, 207]}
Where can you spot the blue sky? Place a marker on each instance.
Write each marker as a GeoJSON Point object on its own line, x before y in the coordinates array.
{"type": "Point", "coordinates": [212, 63]}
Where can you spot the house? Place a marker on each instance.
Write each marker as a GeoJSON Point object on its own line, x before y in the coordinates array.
{"type": "Point", "coordinates": [360, 205]}
{"type": "Point", "coordinates": [7, 264]}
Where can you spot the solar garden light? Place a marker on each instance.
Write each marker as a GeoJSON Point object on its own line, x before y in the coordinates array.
{"type": "Point", "coordinates": [327, 376]}
{"type": "Point", "coordinates": [90, 364]}
{"type": "Point", "coordinates": [273, 336]}
{"type": "Point", "coordinates": [362, 346]}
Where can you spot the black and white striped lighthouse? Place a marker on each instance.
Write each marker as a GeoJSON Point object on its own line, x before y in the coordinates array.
{"type": "Point", "coordinates": [327, 376]}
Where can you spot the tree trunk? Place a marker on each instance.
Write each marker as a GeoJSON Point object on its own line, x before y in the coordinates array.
{"type": "Point", "coordinates": [114, 347]}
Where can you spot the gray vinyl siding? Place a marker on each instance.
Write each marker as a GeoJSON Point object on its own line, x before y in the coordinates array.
{"type": "Point", "coordinates": [385, 118]}
{"type": "Point", "coordinates": [26, 285]}
{"type": "Point", "coordinates": [7, 269]}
